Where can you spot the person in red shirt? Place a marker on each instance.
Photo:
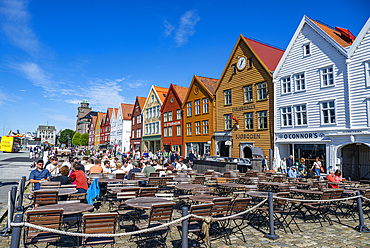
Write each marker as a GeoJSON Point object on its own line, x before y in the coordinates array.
{"type": "Point", "coordinates": [79, 176]}
{"type": "Point", "coordinates": [330, 178]}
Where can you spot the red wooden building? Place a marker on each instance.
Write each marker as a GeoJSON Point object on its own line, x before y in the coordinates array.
{"type": "Point", "coordinates": [105, 128]}
{"type": "Point", "coordinates": [137, 124]}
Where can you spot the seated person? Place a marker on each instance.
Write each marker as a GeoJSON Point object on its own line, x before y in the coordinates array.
{"type": "Point", "coordinates": [148, 169]}
{"type": "Point", "coordinates": [331, 178]}
{"type": "Point", "coordinates": [96, 168]}
{"type": "Point", "coordinates": [292, 172]}
{"type": "Point", "coordinates": [63, 179]}
{"type": "Point", "coordinates": [53, 166]}
{"type": "Point", "coordinates": [169, 166]}
{"type": "Point", "coordinates": [119, 169]}
{"type": "Point", "coordinates": [106, 168]}
{"type": "Point", "coordinates": [338, 176]}
{"type": "Point", "coordinates": [39, 174]}
{"type": "Point", "coordinates": [133, 170]}
{"type": "Point", "coordinates": [79, 176]}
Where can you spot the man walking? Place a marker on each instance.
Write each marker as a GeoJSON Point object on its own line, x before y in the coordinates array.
{"type": "Point", "coordinates": [289, 162]}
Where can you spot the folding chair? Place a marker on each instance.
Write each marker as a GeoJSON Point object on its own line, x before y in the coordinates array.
{"type": "Point", "coordinates": [199, 180]}
{"type": "Point", "coordinates": [154, 181]}
{"type": "Point", "coordinates": [148, 192]}
{"type": "Point", "coordinates": [221, 207]}
{"type": "Point", "coordinates": [154, 174]}
{"type": "Point", "coordinates": [238, 205]}
{"type": "Point", "coordinates": [122, 209]}
{"type": "Point", "coordinates": [319, 209]}
{"type": "Point", "coordinates": [159, 213]}
{"type": "Point", "coordinates": [49, 185]}
{"type": "Point", "coordinates": [98, 224]}
{"type": "Point", "coordinates": [45, 218]}
{"type": "Point", "coordinates": [45, 198]}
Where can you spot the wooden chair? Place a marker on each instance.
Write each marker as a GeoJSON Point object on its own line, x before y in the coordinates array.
{"type": "Point", "coordinates": [154, 174]}
{"type": "Point", "coordinates": [49, 185]}
{"type": "Point", "coordinates": [80, 197]}
{"type": "Point", "coordinates": [238, 205]}
{"type": "Point", "coordinates": [319, 211]}
{"type": "Point", "coordinates": [120, 176]}
{"type": "Point", "coordinates": [45, 218]}
{"type": "Point", "coordinates": [137, 176]}
{"type": "Point", "coordinates": [159, 213]}
{"type": "Point", "coordinates": [122, 209]}
{"type": "Point", "coordinates": [165, 180]}
{"type": "Point", "coordinates": [221, 208]}
{"type": "Point", "coordinates": [45, 198]}
{"type": "Point", "coordinates": [96, 224]}
{"type": "Point", "coordinates": [148, 192]}
{"type": "Point", "coordinates": [154, 181]}
{"type": "Point", "coordinates": [199, 180]}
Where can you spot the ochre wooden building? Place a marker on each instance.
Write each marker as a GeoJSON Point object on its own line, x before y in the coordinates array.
{"type": "Point", "coordinates": [198, 108]}
{"type": "Point", "coordinates": [244, 106]}
{"type": "Point", "coordinates": [172, 119]}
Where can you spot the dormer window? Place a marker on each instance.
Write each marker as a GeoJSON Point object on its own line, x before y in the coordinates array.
{"type": "Point", "coordinates": [152, 98]}
{"type": "Point", "coordinates": [306, 49]}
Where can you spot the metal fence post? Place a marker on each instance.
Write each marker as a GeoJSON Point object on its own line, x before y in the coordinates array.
{"type": "Point", "coordinates": [185, 228]}
{"type": "Point", "coordinates": [271, 159]}
{"type": "Point", "coordinates": [361, 227]}
{"type": "Point", "coordinates": [272, 234]}
{"type": "Point", "coordinates": [16, 233]}
{"type": "Point", "coordinates": [21, 192]}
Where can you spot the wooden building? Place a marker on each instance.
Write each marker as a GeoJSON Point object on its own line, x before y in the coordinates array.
{"type": "Point", "coordinates": [105, 129]}
{"type": "Point", "coordinates": [99, 119]}
{"type": "Point", "coordinates": [245, 100]}
{"type": "Point", "coordinates": [172, 115]}
{"type": "Point", "coordinates": [137, 124]}
{"type": "Point", "coordinates": [198, 108]}
{"type": "Point", "coordinates": [92, 131]}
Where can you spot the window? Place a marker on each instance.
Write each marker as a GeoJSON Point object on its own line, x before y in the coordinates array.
{"type": "Point", "coordinates": [150, 113]}
{"type": "Point", "coordinates": [133, 134]}
{"type": "Point", "coordinates": [138, 133]}
{"type": "Point", "coordinates": [234, 68]}
{"type": "Point", "coordinates": [286, 114]}
{"type": "Point", "coordinates": [250, 63]}
{"type": "Point", "coordinates": [138, 119]}
{"type": "Point", "coordinates": [165, 117]}
{"type": "Point", "coordinates": [178, 130]}
{"type": "Point", "coordinates": [133, 120]}
{"type": "Point", "coordinates": [205, 105]}
{"type": "Point", "coordinates": [261, 91]}
{"type": "Point", "coordinates": [228, 122]}
{"type": "Point", "coordinates": [152, 97]}
{"type": "Point", "coordinates": [301, 114]}
{"type": "Point", "coordinates": [327, 76]}
{"type": "Point", "coordinates": [165, 132]}
{"type": "Point", "coordinates": [197, 107]}
{"type": "Point", "coordinates": [188, 128]}
{"type": "Point", "coordinates": [157, 127]}
{"type": "Point", "coordinates": [170, 116]}
{"type": "Point", "coordinates": [170, 131]}
{"type": "Point", "coordinates": [306, 49]}
{"type": "Point", "coordinates": [146, 129]}
{"type": "Point", "coordinates": [227, 97]}
{"type": "Point", "coordinates": [178, 113]}
{"type": "Point", "coordinates": [249, 121]}
{"type": "Point", "coordinates": [299, 82]}
{"type": "Point", "coordinates": [197, 127]}
{"type": "Point", "coordinates": [328, 112]}
{"type": "Point", "coordinates": [150, 128]}
{"type": "Point", "coordinates": [158, 113]}
{"type": "Point", "coordinates": [262, 119]}
{"type": "Point", "coordinates": [367, 71]}
{"type": "Point", "coordinates": [205, 127]}
{"type": "Point", "coordinates": [285, 85]}
{"type": "Point", "coordinates": [248, 93]}
{"type": "Point", "coordinates": [188, 109]}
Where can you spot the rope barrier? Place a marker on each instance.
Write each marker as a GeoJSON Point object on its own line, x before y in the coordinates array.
{"type": "Point", "coordinates": [304, 200]}
{"type": "Point", "coordinates": [365, 198]}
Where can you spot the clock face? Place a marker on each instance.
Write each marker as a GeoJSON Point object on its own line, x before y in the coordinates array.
{"type": "Point", "coordinates": [241, 63]}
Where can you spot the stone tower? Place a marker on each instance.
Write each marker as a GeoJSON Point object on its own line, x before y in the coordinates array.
{"type": "Point", "coordinates": [83, 110]}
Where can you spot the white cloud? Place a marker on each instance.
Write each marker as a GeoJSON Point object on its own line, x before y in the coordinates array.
{"type": "Point", "coordinates": [72, 101]}
{"type": "Point", "coordinates": [22, 90]}
{"type": "Point", "coordinates": [168, 28]}
{"type": "Point", "coordinates": [15, 25]}
{"type": "Point", "coordinates": [6, 97]}
{"type": "Point", "coordinates": [186, 27]}
{"type": "Point", "coordinates": [37, 76]}
{"type": "Point", "coordinates": [62, 118]}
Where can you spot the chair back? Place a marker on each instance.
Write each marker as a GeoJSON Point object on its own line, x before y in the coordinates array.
{"type": "Point", "coordinates": [122, 196]}
{"type": "Point", "coordinates": [96, 175]}
{"type": "Point", "coordinates": [48, 184]}
{"type": "Point", "coordinates": [165, 180]}
{"type": "Point", "coordinates": [45, 198]}
{"type": "Point", "coordinates": [120, 176]}
{"type": "Point", "coordinates": [154, 181]}
{"type": "Point", "coordinates": [277, 179]}
{"type": "Point", "coordinates": [131, 189]}
{"type": "Point", "coordinates": [221, 180]}
{"type": "Point", "coordinates": [337, 194]}
{"type": "Point", "coordinates": [326, 195]}
{"type": "Point", "coordinates": [227, 174]}
{"type": "Point", "coordinates": [148, 192]}
{"type": "Point", "coordinates": [161, 212]}
{"type": "Point", "coordinates": [199, 180]}
{"type": "Point", "coordinates": [77, 196]}
{"type": "Point", "coordinates": [99, 223]}
{"type": "Point", "coordinates": [221, 206]}
{"type": "Point", "coordinates": [208, 173]}
{"type": "Point", "coordinates": [137, 175]}
{"type": "Point", "coordinates": [154, 174]}
{"type": "Point", "coordinates": [284, 188]}
{"type": "Point", "coordinates": [280, 202]}
{"type": "Point", "coordinates": [200, 210]}
{"type": "Point", "coordinates": [239, 205]}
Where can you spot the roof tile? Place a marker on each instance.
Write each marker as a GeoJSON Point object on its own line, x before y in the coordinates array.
{"type": "Point", "coordinates": [209, 83]}
{"type": "Point", "coordinates": [181, 92]}
{"type": "Point", "coordinates": [161, 92]}
{"type": "Point", "coordinates": [126, 111]}
{"type": "Point", "coordinates": [337, 36]}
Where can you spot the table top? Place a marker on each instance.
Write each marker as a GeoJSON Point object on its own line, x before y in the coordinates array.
{"type": "Point", "coordinates": [306, 191]}
{"type": "Point", "coordinates": [61, 191]}
{"type": "Point", "coordinates": [109, 180]}
{"type": "Point", "coordinates": [190, 186]}
{"type": "Point", "coordinates": [359, 189]}
{"type": "Point", "coordinates": [119, 189]}
{"type": "Point", "coordinates": [145, 202]}
{"type": "Point", "coordinates": [203, 198]}
{"type": "Point", "coordinates": [272, 183]}
{"type": "Point", "coordinates": [258, 194]}
{"type": "Point", "coordinates": [304, 183]}
{"type": "Point", "coordinates": [232, 185]}
{"type": "Point", "coordinates": [68, 208]}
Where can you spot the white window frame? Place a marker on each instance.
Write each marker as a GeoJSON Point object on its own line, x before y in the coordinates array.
{"type": "Point", "coordinates": [228, 122]}
{"type": "Point", "coordinates": [198, 129]}
{"type": "Point", "coordinates": [133, 120]}
{"type": "Point", "coordinates": [249, 118]}
{"type": "Point", "coordinates": [146, 128]}
{"type": "Point", "coordinates": [133, 134]}
{"type": "Point", "coordinates": [298, 81]}
{"type": "Point", "coordinates": [286, 81]}
{"type": "Point", "coordinates": [197, 107]}
{"type": "Point", "coordinates": [304, 48]}
{"type": "Point", "coordinates": [170, 116]}
{"type": "Point", "coordinates": [178, 130]}
{"type": "Point", "coordinates": [205, 105]}
{"type": "Point", "coordinates": [368, 111]}
{"type": "Point", "coordinates": [165, 132]}
{"type": "Point", "coordinates": [245, 93]}
{"type": "Point", "coordinates": [165, 117]}
{"type": "Point", "coordinates": [188, 109]}
{"type": "Point", "coordinates": [296, 112]}
{"type": "Point", "coordinates": [188, 129]}
{"type": "Point", "coordinates": [322, 74]}
{"type": "Point", "coordinates": [329, 115]}
{"type": "Point", "coordinates": [152, 98]}
{"type": "Point", "coordinates": [138, 133]}
{"type": "Point", "coordinates": [206, 127]}
{"type": "Point", "coordinates": [178, 114]}
{"type": "Point", "coordinates": [367, 73]}
{"type": "Point", "coordinates": [170, 131]}
{"type": "Point", "coordinates": [228, 97]}
{"type": "Point", "coordinates": [157, 127]}
{"type": "Point", "coordinates": [286, 116]}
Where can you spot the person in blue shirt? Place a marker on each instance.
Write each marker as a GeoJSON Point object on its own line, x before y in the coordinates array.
{"type": "Point", "coordinates": [39, 174]}
{"type": "Point", "coordinates": [292, 172]}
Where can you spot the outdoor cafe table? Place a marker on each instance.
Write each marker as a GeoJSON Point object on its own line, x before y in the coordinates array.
{"type": "Point", "coordinates": [203, 198]}
{"type": "Point", "coordinates": [190, 186]}
{"type": "Point", "coordinates": [305, 185]}
{"type": "Point", "coordinates": [109, 180]}
{"type": "Point", "coordinates": [68, 208]}
{"type": "Point", "coordinates": [228, 188]}
{"type": "Point", "coordinates": [61, 191]}
{"type": "Point", "coordinates": [119, 189]}
{"type": "Point", "coordinates": [259, 194]}
{"type": "Point", "coordinates": [145, 202]}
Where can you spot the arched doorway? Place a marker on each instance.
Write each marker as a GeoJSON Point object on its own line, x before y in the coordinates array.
{"type": "Point", "coordinates": [224, 149]}
{"type": "Point", "coordinates": [356, 161]}
{"type": "Point", "coordinates": [247, 152]}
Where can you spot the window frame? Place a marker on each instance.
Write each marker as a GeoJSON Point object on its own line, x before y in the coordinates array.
{"type": "Point", "coordinates": [205, 126]}
{"type": "Point", "coordinates": [322, 76]}
{"type": "Point", "coordinates": [296, 112]}
{"type": "Point", "coordinates": [178, 114]}
{"type": "Point", "coordinates": [198, 128]}
{"type": "Point", "coordinates": [170, 131]}
{"type": "Point", "coordinates": [227, 97]}
{"type": "Point", "coordinates": [261, 89]}
{"type": "Point", "coordinates": [250, 119]}
{"type": "Point", "coordinates": [329, 114]}
{"type": "Point", "coordinates": [188, 109]}
{"type": "Point", "coordinates": [178, 130]}
{"type": "Point", "coordinates": [249, 92]}
{"type": "Point", "coordinates": [152, 98]}
{"type": "Point", "coordinates": [205, 105]}
{"type": "Point", "coordinates": [170, 115]}
{"type": "Point", "coordinates": [165, 132]}
{"type": "Point", "coordinates": [367, 73]}
{"type": "Point", "coordinates": [188, 129]}
{"type": "Point", "coordinates": [259, 117]}
{"type": "Point", "coordinates": [299, 81]}
{"type": "Point", "coordinates": [165, 119]}
{"type": "Point", "coordinates": [197, 107]}
{"type": "Point", "coordinates": [304, 49]}
{"type": "Point", "coordinates": [286, 83]}
{"type": "Point", "coordinates": [228, 122]}
{"type": "Point", "coordinates": [287, 112]}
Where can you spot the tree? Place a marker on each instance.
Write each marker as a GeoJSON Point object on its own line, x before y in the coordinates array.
{"type": "Point", "coordinates": [66, 136]}
{"type": "Point", "coordinates": [76, 140]}
{"type": "Point", "coordinates": [85, 139]}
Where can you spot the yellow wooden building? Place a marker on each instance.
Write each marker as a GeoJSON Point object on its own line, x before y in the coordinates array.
{"type": "Point", "coordinates": [99, 119]}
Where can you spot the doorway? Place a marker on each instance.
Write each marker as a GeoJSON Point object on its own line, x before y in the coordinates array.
{"type": "Point", "coordinates": [247, 152]}
{"type": "Point", "coordinates": [356, 161]}
{"type": "Point", "coordinates": [224, 149]}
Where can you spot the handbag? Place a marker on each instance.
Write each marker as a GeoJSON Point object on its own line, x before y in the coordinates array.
{"type": "Point", "coordinates": [322, 169]}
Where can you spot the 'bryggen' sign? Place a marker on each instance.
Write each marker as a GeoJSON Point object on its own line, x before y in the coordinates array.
{"type": "Point", "coordinates": [172, 123]}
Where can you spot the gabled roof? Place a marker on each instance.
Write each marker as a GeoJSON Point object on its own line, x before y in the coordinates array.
{"type": "Point", "coordinates": [321, 30]}
{"type": "Point", "coordinates": [178, 91]}
{"type": "Point", "coordinates": [115, 110]}
{"type": "Point", "coordinates": [93, 120]}
{"type": "Point", "coordinates": [208, 84]}
{"type": "Point", "coordinates": [161, 92]}
{"type": "Point", "coordinates": [334, 34]}
{"type": "Point", "coordinates": [110, 111]}
{"type": "Point", "coordinates": [359, 38]}
{"type": "Point", "coordinates": [104, 115]}
{"type": "Point", "coordinates": [141, 101]}
{"type": "Point", "coordinates": [126, 110]}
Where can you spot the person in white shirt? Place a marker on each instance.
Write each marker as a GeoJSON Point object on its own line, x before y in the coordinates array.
{"type": "Point", "coordinates": [67, 163]}
{"type": "Point", "coordinates": [106, 167]}
{"type": "Point", "coordinates": [119, 170]}
{"type": "Point", "coordinates": [183, 166]}
{"type": "Point", "coordinates": [177, 165]}
{"type": "Point", "coordinates": [88, 164]}
{"type": "Point", "coordinates": [53, 167]}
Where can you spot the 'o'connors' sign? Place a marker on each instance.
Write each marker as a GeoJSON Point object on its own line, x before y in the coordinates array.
{"type": "Point", "coordinates": [301, 136]}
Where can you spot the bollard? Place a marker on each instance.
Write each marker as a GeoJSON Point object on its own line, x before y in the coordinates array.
{"type": "Point", "coordinates": [185, 228]}
{"type": "Point", "coordinates": [21, 192]}
{"type": "Point", "coordinates": [361, 227]}
{"type": "Point", "coordinates": [272, 234]}
{"type": "Point", "coordinates": [13, 194]}
{"type": "Point", "coordinates": [17, 230]}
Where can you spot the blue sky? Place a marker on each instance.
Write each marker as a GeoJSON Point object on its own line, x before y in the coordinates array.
{"type": "Point", "coordinates": [53, 54]}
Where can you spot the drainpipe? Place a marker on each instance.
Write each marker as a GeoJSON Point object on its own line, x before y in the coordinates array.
{"type": "Point", "coordinates": [348, 61]}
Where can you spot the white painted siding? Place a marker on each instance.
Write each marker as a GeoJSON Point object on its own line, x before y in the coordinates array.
{"type": "Point", "coordinates": [322, 54]}
{"type": "Point", "coordinates": [357, 80]}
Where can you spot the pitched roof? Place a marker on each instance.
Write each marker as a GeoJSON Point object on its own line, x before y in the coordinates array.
{"type": "Point", "coordinates": [269, 55]}
{"type": "Point", "coordinates": [102, 117]}
{"type": "Point", "coordinates": [115, 112]}
{"type": "Point", "coordinates": [339, 37]}
{"type": "Point", "coordinates": [93, 120]}
{"type": "Point", "coordinates": [181, 92]}
{"type": "Point", "coordinates": [126, 111]}
{"type": "Point", "coordinates": [359, 38]}
{"type": "Point", "coordinates": [162, 93]}
{"type": "Point", "coordinates": [209, 83]}
{"type": "Point", "coordinates": [141, 101]}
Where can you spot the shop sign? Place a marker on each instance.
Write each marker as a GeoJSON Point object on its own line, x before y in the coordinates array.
{"type": "Point", "coordinates": [301, 136]}
{"type": "Point", "coordinates": [228, 143]}
{"type": "Point", "coordinates": [246, 107]}
{"type": "Point", "coordinates": [248, 136]}
{"type": "Point", "coordinates": [172, 123]}
{"type": "Point", "coordinates": [137, 143]}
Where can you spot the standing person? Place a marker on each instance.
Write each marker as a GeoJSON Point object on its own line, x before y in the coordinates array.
{"type": "Point", "coordinates": [31, 152]}
{"type": "Point", "coordinates": [289, 162]}
{"type": "Point", "coordinates": [39, 174]}
{"type": "Point", "coordinates": [265, 164]}
{"type": "Point", "coordinates": [79, 177]}
{"type": "Point", "coordinates": [283, 165]}
{"type": "Point", "coordinates": [191, 158]}
{"type": "Point", "coordinates": [317, 164]}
